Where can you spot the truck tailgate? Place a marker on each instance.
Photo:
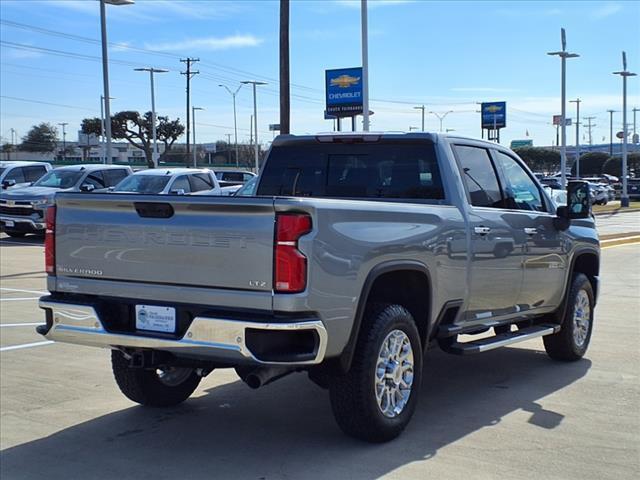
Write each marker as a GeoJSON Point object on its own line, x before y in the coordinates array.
{"type": "Point", "coordinates": [216, 242]}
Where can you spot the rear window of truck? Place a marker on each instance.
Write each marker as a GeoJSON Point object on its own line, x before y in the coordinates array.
{"type": "Point", "coordinates": [382, 170]}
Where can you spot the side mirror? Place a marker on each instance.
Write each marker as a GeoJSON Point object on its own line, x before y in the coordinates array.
{"type": "Point", "coordinates": [8, 183]}
{"type": "Point", "coordinates": [87, 187]}
{"type": "Point", "coordinates": [578, 199]}
{"type": "Point", "coordinates": [111, 189]}
{"type": "Point", "coordinates": [178, 191]}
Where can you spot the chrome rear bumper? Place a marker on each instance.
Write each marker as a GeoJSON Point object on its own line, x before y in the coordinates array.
{"type": "Point", "coordinates": [206, 338]}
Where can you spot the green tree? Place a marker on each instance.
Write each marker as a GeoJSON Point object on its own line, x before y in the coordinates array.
{"type": "Point", "coordinates": [591, 164]}
{"type": "Point", "coordinates": [613, 166]}
{"type": "Point", "coordinates": [41, 138]}
{"type": "Point", "coordinates": [137, 130]}
{"type": "Point", "coordinates": [539, 159]}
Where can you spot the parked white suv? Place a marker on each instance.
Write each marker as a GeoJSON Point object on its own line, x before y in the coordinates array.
{"type": "Point", "coordinates": [171, 181]}
{"type": "Point", "coordinates": [21, 174]}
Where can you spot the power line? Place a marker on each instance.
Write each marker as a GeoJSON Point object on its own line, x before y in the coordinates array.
{"type": "Point", "coordinates": [41, 102]}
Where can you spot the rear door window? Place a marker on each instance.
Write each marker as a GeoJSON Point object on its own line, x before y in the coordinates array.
{"type": "Point", "coordinates": [385, 170]}
{"type": "Point", "coordinates": [115, 176]}
{"type": "Point", "coordinates": [181, 183]}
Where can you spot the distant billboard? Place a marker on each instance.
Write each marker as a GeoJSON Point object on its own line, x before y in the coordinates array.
{"type": "Point", "coordinates": [521, 143]}
{"type": "Point", "coordinates": [344, 92]}
{"type": "Point", "coordinates": [557, 120]}
{"type": "Point", "coordinates": [494, 115]}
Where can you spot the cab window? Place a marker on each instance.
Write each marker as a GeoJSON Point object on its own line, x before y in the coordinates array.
{"type": "Point", "coordinates": [96, 179]}
{"type": "Point", "coordinates": [181, 183]}
{"type": "Point", "coordinates": [520, 191]}
{"type": "Point", "coordinates": [16, 174]}
{"type": "Point", "coordinates": [33, 174]}
{"type": "Point", "coordinates": [200, 182]}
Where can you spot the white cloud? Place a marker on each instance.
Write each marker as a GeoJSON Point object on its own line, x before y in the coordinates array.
{"type": "Point", "coordinates": [208, 43]}
{"type": "Point", "coordinates": [606, 10]}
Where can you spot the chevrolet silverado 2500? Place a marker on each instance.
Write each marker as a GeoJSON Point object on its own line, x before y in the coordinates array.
{"type": "Point", "coordinates": [357, 253]}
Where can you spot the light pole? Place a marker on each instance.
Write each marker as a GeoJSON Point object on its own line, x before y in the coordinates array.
{"type": "Point", "coordinates": [365, 66]}
{"type": "Point", "coordinates": [634, 126]}
{"type": "Point", "coordinates": [193, 121]}
{"type": "Point", "coordinates": [151, 70]}
{"type": "Point", "coordinates": [577, 102]}
{"type": "Point", "coordinates": [255, 119]}
{"type": "Point", "coordinates": [624, 198]}
{"type": "Point", "coordinates": [563, 54]}
{"type": "Point", "coordinates": [421, 107]}
{"type": "Point", "coordinates": [105, 68]}
{"type": "Point", "coordinates": [235, 122]}
{"type": "Point", "coordinates": [102, 132]}
{"type": "Point", "coordinates": [611, 112]}
{"type": "Point", "coordinates": [441, 116]}
{"type": "Point", "coordinates": [64, 140]}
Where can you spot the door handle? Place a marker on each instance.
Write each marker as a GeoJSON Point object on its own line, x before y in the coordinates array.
{"type": "Point", "coordinates": [530, 231]}
{"type": "Point", "coordinates": [481, 230]}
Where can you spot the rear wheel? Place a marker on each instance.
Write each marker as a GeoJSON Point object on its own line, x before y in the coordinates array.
{"type": "Point", "coordinates": [375, 400]}
{"type": "Point", "coordinates": [572, 341]}
{"type": "Point", "coordinates": [163, 387]}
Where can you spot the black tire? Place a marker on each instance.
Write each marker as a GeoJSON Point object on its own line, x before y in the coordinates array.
{"type": "Point", "coordinates": [353, 395]}
{"type": "Point", "coordinates": [15, 234]}
{"type": "Point", "coordinates": [145, 386]}
{"type": "Point", "coordinates": [563, 345]}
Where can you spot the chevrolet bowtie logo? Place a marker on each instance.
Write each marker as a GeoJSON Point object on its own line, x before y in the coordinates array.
{"type": "Point", "coordinates": [493, 108]}
{"type": "Point", "coordinates": [344, 81]}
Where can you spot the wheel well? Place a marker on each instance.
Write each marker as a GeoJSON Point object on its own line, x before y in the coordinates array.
{"type": "Point", "coordinates": [589, 264]}
{"type": "Point", "coordinates": [409, 288]}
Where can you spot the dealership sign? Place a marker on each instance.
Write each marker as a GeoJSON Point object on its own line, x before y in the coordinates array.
{"type": "Point", "coordinates": [557, 120]}
{"type": "Point", "coordinates": [344, 92]}
{"type": "Point", "coordinates": [494, 115]}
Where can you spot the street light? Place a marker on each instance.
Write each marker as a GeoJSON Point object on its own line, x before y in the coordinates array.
{"type": "Point", "coordinates": [193, 121]}
{"type": "Point", "coordinates": [235, 123]}
{"type": "Point", "coordinates": [577, 102]}
{"type": "Point", "coordinates": [624, 197]}
{"type": "Point", "coordinates": [154, 155]}
{"type": "Point", "coordinates": [563, 54]}
{"type": "Point", "coordinates": [441, 116]}
{"type": "Point", "coordinates": [102, 132]}
{"type": "Point", "coordinates": [421, 107]}
{"type": "Point", "coordinates": [105, 67]}
{"type": "Point", "coordinates": [611, 112]}
{"type": "Point", "coordinates": [255, 119]}
{"type": "Point", "coordinates": [64, 140]}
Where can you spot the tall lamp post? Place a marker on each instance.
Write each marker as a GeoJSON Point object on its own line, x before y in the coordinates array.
{"type": "Point", "coordinates": [105, 68]}
{"type": "Point", "coordinates": [441, 116]}
{"type": "Point", "coordinates": [154, 154]}
{"type": "Point", "coordinates": [624, 197]}
{"type": "Point", "coordinates": [235, 122]}
{"type": "Point", "coordinates": [102, 129]}
{"type": "Point", "coordinates": [611, 112]}
{"type": "Point", "coordinates": [64, 139]}
{"type": "Point", "coordinates": [563, 54]}
{"type": "Point", "coordinates": [255, 120]}
{"type": "Point", "coordinates": [193, 122]}
{"type": "Point", "coordinates": [421, 107]}
{"type": "Point", "coordinates": [577, 102]}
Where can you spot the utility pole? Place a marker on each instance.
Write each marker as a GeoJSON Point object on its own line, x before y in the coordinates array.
{"type": "Point", "coordinates": [589, 127]}
{"type": "Point", "coordinates": [634, 126]}
{"type": "Point", "coordinates": [193, 115]}
{"type": "Point", "coordinates": [251, 132]}
{"type": "Point", "coordinates": [64, 139]}
{"type": "Point", "coordinates": [13, 133]}
{"type": "Point", "coordinates": [255, 121]}
{"type": "Point", "coordinates": [421, 107]}
{"type": "Point", "coordinates": [285, 105]}
{"type": "Point", "coordinates": [611, 112]}
{"type": "Point", "coordinates": [228, 140]}
{"type": "Point", "coordinates": [624, 198]}
{"type": "Point", "coordinates": [365, 66]}
{"type": "Point", "coordinates": [577, 102]}
{"type": "Point", "coordinates": [189, 74]}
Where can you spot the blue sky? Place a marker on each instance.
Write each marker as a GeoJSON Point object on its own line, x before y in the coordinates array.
{"type": "Point", "coordinates": [446, 55]}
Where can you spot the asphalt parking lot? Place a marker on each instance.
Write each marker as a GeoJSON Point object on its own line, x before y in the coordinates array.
{"type": "Point", "coordinates": [509, 413]}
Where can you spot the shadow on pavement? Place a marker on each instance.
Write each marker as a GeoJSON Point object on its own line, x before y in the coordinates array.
{"type": "Point", "coordinates": [286, 429]}
{"type": "Point", "coordinates": [34, 240]}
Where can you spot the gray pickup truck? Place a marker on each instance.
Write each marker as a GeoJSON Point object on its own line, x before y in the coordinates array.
{"type": "Point", "coordinates": [357, 254]}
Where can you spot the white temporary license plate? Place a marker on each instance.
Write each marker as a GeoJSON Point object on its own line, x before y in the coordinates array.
{"type": "Point", "coordinates": [9, 223]}
{"type": "Point", "coordinates": [156, 319]}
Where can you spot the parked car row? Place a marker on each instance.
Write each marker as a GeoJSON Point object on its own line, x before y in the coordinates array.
{"type": "Point", "coordinates": [601, 191]}
{"type": "Point", "coordinates": [28, 188]}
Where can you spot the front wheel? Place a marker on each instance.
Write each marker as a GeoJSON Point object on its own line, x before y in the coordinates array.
{"type": "Point", "coordinates": [375, 400]}
{"type": "Point", "coordinates": [572, 341]}
{"type": "Point", "coordinates": [164, 387]}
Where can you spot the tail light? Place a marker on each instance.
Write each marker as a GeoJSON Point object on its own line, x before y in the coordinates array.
{"type": "Point", "coordinates": [290, 263]}
{"type": "Point", "coordinates": [50, 241]}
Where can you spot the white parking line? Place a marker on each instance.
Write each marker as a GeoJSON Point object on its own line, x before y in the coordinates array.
{"type": "Point", "coordinates": [23, 291]}
{"type": "Point", "coordinates": [16, 299]}
{"type": "Point", "coordinates": [25, 345]}
{"type": "Point", "coordinates": [33, 324]}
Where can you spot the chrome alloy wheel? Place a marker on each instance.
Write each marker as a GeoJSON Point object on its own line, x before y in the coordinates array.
{"type": "Point", "coordinates": [394, 374]}
{"type": "Point", "coordinates": [581, 318]}
{"type": "Point", "coordinates": [173, 376]}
